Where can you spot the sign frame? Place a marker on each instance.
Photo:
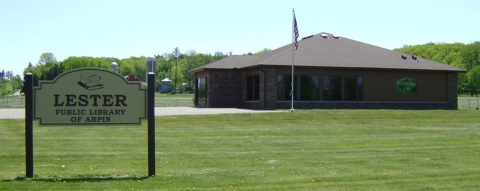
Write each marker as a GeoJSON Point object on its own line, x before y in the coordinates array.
{"type": "Point", "coordinates": [148, 107]}
{"type": "Point", "coordinates": [74, 99]}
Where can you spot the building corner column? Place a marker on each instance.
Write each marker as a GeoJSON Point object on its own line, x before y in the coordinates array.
{"type": "Point", "coordinates": [270, 88]}
{"type": "Point", "coordinates": [452, 90]}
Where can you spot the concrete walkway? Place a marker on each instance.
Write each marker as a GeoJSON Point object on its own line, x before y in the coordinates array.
{"type": "Point", "coordinates": [19, 113]}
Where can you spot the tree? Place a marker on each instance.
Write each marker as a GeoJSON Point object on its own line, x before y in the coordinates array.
{"type": "Point", "coordinates": [135, 66]}
{"type": "Point", "coordinates": [47, 59]}
{"type": "Point", "coordinates": [190, 64]}
{"type": "Point", "coordinates": [471, 55]}
{"type": "Point", "coordinates": [473, 80]}
{"type": "Point", "coordinates": [466, 56]}
{"type": "Point", "coordinates": [261, 52]}
{"type": "Point", "coordinates": [219, 55]}
{"type": "Point", "coordinates": [74, 62]}
{"type": "Point", "coordinates": [443, 53]}
{"type": "Point", "coordinates": [9, 75]}
{"type": "Point", "coordinates": [9, 83]}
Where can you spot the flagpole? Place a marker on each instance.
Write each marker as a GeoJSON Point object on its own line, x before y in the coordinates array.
{"type": "Point", "coordinates": [293, 56]}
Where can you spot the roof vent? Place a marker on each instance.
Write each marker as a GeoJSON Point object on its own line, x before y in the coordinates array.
{"type": "Point", "coordinates": [307, 37]}
{"type": "Point", "coordinates": [336, 36]}
{"type": "Point", "coordinates": [414, 57]}
{"type": "Point", "coordinates": [323, 35]}
{"type": "Point", "coordinates": [404, 57]}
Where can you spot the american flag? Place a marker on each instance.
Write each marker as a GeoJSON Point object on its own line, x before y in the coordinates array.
{"type": "Point", "coordinates": [295, 30]}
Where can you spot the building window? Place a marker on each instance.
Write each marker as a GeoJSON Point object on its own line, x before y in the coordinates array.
{"type": "Point", "coordinates": [309, 88]}
{"type": "Point", "coordinates": [202, 91]}
{"type": "Point", "coordinates": [281, 88]}
{"type": "Point", "coordinates": [284, 87]}
{"type": "Point", "coordinates": [332, 88]}
{"type": "Point", "coordinates": [320, 88]}
{"type": "Point", "coordinates": [353, 88]}
{"type": "Point", "coordinates": [253, 88]}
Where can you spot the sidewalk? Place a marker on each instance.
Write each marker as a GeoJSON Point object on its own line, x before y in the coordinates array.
{"type": "Point", "coordinates": [19, 113]}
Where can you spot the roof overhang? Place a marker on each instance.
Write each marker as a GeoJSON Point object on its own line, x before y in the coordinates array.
{"type": "Point", "coordinates": [326, 51]}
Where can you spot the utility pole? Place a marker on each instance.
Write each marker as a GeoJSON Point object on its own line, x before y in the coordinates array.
{"type": "Point", "coordinates": [175, 52]}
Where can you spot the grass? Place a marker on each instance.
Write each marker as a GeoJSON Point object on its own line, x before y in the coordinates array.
{"type": "Point", "coordinates": [303, 150]}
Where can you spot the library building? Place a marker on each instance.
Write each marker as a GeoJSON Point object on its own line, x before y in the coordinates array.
{"type": "Point", "coordinates": [329, 72]}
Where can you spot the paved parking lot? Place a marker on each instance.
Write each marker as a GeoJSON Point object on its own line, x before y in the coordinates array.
{"type": "Point", "coordinates": [19, 113]}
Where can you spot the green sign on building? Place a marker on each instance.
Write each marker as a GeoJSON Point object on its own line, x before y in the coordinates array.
{"type": "Point", "coordinates": [406, 85]}
{"type": "Point", "coordinates": [89, 96]}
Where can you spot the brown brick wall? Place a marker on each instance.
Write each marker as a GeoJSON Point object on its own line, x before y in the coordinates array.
{"type": "Point", "coordinates": [270, 84]}
{"type": "Point", "coordinates": [224, 89]}
{"type": "Point", "coordinates": [437, 90]}
{"type": "Point", "coordinates": [227, 88]}
{"type": "Point", "coordinates": [452, 94]}
{"type": "Point", "coordinates": [268, 89]}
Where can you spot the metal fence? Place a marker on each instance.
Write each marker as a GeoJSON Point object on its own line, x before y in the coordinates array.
{"type": "Point", "coordinates": [465, 103]}
{"type": "Point", "coordinates": [9, 101]}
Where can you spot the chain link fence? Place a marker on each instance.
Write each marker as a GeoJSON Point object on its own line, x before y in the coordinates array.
{"type": "Point", "coordinates": [466, 103]}
{"type": "Point", "coordinates": [10, 101]}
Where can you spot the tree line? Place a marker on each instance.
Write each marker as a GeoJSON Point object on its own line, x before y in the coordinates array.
{"type": "Point", "coordinates": [9, 83]}
{"type": "Point", "coordinates": [167, 66]}
{"type": "Point", "coordinates": [465, 56]}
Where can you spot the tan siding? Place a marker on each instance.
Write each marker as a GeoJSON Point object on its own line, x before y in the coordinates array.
{"type": "Point", "coordinates": [380, 86]}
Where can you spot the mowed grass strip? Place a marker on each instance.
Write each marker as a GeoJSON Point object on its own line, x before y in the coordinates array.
{"type": "Point", "coordinates": [303, 150]}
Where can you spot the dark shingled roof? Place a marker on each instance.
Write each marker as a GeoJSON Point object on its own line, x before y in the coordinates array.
{"type": "Point", "coordinates": [326, 50]}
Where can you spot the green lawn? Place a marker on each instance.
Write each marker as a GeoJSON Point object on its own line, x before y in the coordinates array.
{"type": "Point", "coordinates": [303, 150]}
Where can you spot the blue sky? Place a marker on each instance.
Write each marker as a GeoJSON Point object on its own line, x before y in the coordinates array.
{"type": "Point", "coordinates": [121, 28]}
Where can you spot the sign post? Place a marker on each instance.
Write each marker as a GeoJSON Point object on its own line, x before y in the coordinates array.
{"type": "Point", "coordinates": [28, 84]}
{"type": "Point", "coordinates": [151, 124]}
{"type": "Point", "coordinates": [89, 96]}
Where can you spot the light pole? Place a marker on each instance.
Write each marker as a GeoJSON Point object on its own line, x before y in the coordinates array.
{"type": "Point", "coordinates": [175, 52]}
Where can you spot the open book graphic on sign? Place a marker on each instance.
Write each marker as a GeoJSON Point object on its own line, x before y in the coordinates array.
{"type": "Point", "coordinates": [90, 81]}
